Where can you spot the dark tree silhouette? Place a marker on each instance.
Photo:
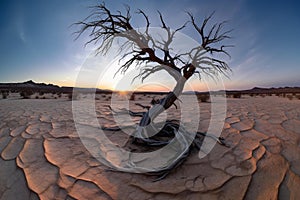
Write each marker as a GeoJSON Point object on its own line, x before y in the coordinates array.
{"type": "Point", "coordinates": [141, 49]}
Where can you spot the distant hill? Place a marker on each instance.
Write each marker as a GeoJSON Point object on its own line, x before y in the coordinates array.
{"type": "Point", "coordinates": [28, 84]}
{"type": "Point", "coordinates": [256, 90]}
{"type": "Point", "coordinates": [42, 87]}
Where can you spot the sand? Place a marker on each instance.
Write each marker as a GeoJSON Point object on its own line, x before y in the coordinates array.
{"type": "Point", "coordinates": [42, 156]}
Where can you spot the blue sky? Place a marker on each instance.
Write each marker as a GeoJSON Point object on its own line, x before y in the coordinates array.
{"type": "Point", "coordinates": [37, 41]}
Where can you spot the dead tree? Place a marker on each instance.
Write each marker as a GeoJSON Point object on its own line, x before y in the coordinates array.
{"type": "Point", "coordinates": [141, 49]}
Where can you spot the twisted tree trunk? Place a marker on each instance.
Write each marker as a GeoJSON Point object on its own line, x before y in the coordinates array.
{"type": "Point", "coordinates": [146, 128]}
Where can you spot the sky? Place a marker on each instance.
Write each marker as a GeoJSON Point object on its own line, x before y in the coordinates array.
{"type": "Point", "coordinates": [37, 42]}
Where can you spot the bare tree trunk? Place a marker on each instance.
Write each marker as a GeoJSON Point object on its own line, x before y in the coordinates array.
{"type": "Point", "coordinates": [146, 127]}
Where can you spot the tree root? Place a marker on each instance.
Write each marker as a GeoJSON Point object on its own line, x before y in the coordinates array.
{"type": "Point", "coordinates": [164, 137]}
{"type": "Point", "coordinates": [143, 106]}
{"type": "Point", "coordinates": [126, 111]}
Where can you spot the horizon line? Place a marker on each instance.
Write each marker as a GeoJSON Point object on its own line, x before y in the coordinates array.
{"type": "Point", "coordinates": [160, 91]}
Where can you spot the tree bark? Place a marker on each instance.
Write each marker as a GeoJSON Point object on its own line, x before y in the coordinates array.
{"type": "Point", "coordinates": [146, 127]}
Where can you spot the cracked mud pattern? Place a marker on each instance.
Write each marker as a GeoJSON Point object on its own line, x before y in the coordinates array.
{"type": "Point", "coordinates": [42, 157]}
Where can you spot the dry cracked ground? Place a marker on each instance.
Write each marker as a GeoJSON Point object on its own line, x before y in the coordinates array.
{"type": "Point", "coordinates": [42, 156]}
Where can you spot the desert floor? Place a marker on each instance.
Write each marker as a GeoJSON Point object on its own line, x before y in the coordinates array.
{"type": "Point", "coordinates": [42, 155]}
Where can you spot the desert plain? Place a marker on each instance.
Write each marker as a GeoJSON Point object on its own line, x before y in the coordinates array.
{"type": "Point", "coordinates": [42, 156]}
